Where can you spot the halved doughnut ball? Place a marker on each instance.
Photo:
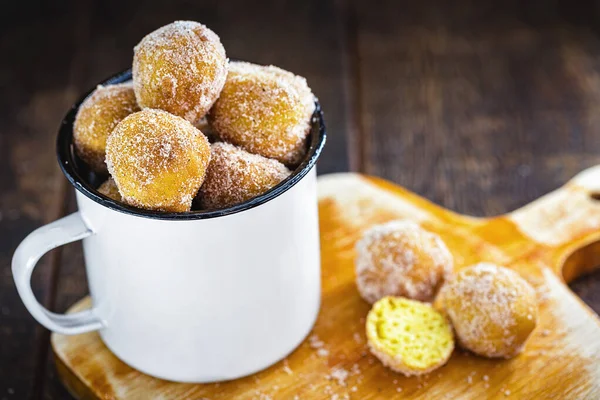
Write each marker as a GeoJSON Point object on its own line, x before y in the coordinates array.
{"type": "Point", "coordinates": [493, 310]}
{"type": "Point", "coordinates": [400, 258]}
{"type": "Point", "coordinates": [264, 110]}
{"type": "Point", "coordinates": [408, 336]}
{"type": "Point", "coordinates": [158, 160]}
{"type": "Point", "coordinates": [180, 68]}
{"type": "Point", "coordinates": [97, 117]}
{"type": "Point", "coordinates": [234, 176]}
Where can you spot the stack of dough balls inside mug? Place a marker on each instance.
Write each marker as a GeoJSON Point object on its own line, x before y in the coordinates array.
{"type": "Point", "coordinates": [401, 268]}
{"type": "Point", "coordinates": [146, 136]}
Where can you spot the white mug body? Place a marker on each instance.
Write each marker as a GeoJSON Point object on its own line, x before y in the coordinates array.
{"type": "Point", "coordinates": [209, 299]}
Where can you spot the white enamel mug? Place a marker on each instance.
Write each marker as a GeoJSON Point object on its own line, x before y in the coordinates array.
{"type": "Point", "coordinates": [203, 296]}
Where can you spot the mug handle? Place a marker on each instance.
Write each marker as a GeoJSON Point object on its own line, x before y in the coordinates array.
{"type": "Point", "coordinates": [65, 230]}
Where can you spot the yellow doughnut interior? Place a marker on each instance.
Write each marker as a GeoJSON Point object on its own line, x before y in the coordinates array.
{"type": "Point", "coordinates": [409, 336]}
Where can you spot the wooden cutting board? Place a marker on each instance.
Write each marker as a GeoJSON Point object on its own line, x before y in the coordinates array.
{"type": "Point", "coordinates": [550, 241]}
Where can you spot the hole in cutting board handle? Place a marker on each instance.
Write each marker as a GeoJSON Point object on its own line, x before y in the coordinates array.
{"type": "Point", "coordinates": [582, 261]}
{"type": "Point", "coordinates": [580, 268]}
{"type": "Point", "coordinates": [595, 196]}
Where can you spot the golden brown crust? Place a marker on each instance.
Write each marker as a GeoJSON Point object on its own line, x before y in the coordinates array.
{"type": "Point", "coordinates": [265, 110]}
{"type": "Point", "coordinates": [158, 160]}
{"type": "Point", "coordinates": [492, 308]}
{"type": "Point", "coordinates": [400, 258]}
{"type": "Point", "coordinates": [396, 364]}
{"type": "Point", "coordinates": [234, 176]}
{"type": "Point", "coordinates": [180, 68]}
{"type": "Point", "coordinates": [96, 118]}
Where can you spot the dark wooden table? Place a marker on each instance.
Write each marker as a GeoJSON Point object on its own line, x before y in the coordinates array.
{"type": "Point", "coordinates": [479, 106]}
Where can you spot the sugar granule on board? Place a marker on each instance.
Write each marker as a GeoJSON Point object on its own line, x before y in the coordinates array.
{"type": "Point", "coordinates": [339, 375]}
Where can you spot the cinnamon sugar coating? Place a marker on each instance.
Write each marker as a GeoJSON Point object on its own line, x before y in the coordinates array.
{"type": "Point", "coordinates": [492, 308]}
{"type": "Point", "coordinates": [400, 258]}
{"type": "Point", "coordinates": [97, 117]}
{"type": "Point", "coordinates": [180, 68]}
{"type": "Point", "coordinates": [158, 160]}
{"type": "Point", "coordinates": [265, 110]}
{"type": "Point", "coordinates": [234, 176]}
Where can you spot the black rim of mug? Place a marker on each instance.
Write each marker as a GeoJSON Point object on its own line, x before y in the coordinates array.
{"type": "Point", "coordinates": [69, 163]}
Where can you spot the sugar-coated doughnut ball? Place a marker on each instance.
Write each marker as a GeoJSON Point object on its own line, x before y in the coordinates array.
{"type": "Point", "coordinates": [158, 160]}
{"type": "Point", "coordinates": [97, 117]}
{"type": "Point", "coordinates": [234, 176]}
{"type": "Point", "coordinates": [408, 336]}
{"type": "Point", "coordinates": [493, 310]}
{"type": "Point", "coordinates": [180, 68]}
{"type": "Point", "coordinates": [264, 110]}
{"type": "Point", "coordinates": [109, 189]}
{"type": "Point", "coordinates": [400, 258]}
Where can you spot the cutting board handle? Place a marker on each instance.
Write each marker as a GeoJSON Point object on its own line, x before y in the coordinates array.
{"type": "Point", "coordinates": [589, 180]}
{"type": "Point", "coordinates": [566, 215]}
{"type": "Point", "coordinates": [567, 221]}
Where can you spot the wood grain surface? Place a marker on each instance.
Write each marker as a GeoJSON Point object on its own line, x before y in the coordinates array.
{"type": "Point", "coordinates": [479, 106]}
{"type": "Point", "coordinates": [560, 360]}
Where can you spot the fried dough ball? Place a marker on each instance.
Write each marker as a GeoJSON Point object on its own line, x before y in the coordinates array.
{"type": "Point", "coordinates": [109, 189]}
{"type": "Point", "coordinates": [180, 68]}
{"type": "Point", "coordinates": [97, 117]}
{"type": "Point", "coordinates": [158, 160]}
{"type": "Point", "coordinates": [234, 176]}
{"type": "Point", "coordinates": [264, 110]}
{"type": "Point", "coordinates": [400, 258]}
{"type": "Point", "coordinates": [408, 336]}
{"type": "Point", "coordinates": [492, 308]}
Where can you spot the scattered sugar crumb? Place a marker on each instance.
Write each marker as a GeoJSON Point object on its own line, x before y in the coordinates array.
{"type": "Point", "coordinates": [322, 352]}
{"type": "Point", "coordinates": [486, 378]}
{"type": "Point", "coordinates": [507, 392]}
{"type": "Point", "coordinates": [339, 375]}
{"type": "Point", "coordinates": [355, 370]}
{"type": "Point", "coordinates": [545, 332]}
{"type": "Point", "coordinates": [398, 389]}
{"type": "Point", "coordinates": [469, 379]}
{"type": "Point", "coordinates": [315, 342]}
{"type": "Point", "coordinates": [353, 389]}
{"type": "Point", "coordinates": [286, 367]}
{"type": "Point", "coordinates": [395, 381]}
{"type": "Point", "coordinates": [357, 337]}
